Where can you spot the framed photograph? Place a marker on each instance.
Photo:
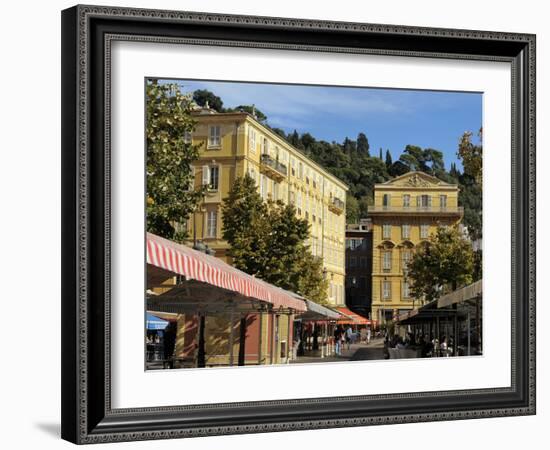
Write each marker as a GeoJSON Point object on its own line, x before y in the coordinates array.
{"type": "Point", "coordinates": [283, 224]}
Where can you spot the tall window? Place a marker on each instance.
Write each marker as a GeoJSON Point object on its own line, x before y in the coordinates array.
{"type": "Point", "coordinates": [406, 293]}
{"type": "Point", "coordinates": [424, 231]}
{"type": "Point", "coordinates": [386, 199]}
{"type": "Point", "coordinates": [265, 147]}
{"type": "Point", "coordinates": [212, 223]}
{"type": "Point", "coordinates": [405, 231]}
{"type": "Point", "coordinates": [386, 260]}
{"type": "Point", "coordinates": [211, 177]}
{"type": "Point", "coordinates": [187, 137]}
{"type": "Point", "coordinates": [406, 200]}
{"type": "Point", "coordinates": [443, 201]}
{"type": "Point", "coordinates": [214, 134]}
{"type": "Point", "coordinates": [405, 259]}
{"type": "Point", "coordinates": [252, 140]}
{"type": "Point", "coordinates": [424, 201]}
{"type": "Point", "coordinates": [386, 290]}
{"type": "Point", "coordinates": [386, 231]}
{"type": "Point", "coordinates": [275, 191]}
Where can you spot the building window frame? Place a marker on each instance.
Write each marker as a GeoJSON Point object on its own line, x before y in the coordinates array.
{"type": "Point", "coordinates": [442, 201]}
{"type": "Point", "coordinates": [386, 290]}
{"type": "Point", "coordinates": [212, 223]}
{"type": "Point", "coordinates": [211, 176]}
{"type": "Point", "coordinates": [405, 231]}
{"type": "Point", "coordinates": [386, 260]}
{"type": "Point", "coordinates": [424, 231]}
{"type": "Point", "coordinates": [214, 137]}
{"type": "Point", "coordinates": [386, 231]}
{"type": "Point", "coordinates": [405, 287]}
{"type": "Point", "coordinates": [252, 140]}
{"type": "Point", "coordinates": [386, 201]}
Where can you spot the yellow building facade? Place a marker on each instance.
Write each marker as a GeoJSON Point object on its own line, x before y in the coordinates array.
{"type": "Point", "coordinates": [233, 144]}
{"type": "Point", "coordinates": [407, 211]}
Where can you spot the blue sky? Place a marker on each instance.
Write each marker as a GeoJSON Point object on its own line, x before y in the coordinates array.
{"type": "Point", "coordinates": [391, 118]}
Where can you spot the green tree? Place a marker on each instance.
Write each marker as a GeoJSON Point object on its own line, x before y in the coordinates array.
{"type": "Point", "coordinates": [397, 169]}
{"type": "Point", "coordinates": [471, 156]}
{"type": "Point", "coordinates": [250, 109]}
{"type": "Point", "coordinates": [312, 283]}
{"type": "Point", "coordinates": [294, 139]}
{"type": "Point", "coordinates": [169, 157]}
{"type": "Point", "coordinates": [268, 240]}
{"type": "Point", "coordinates": [244, 225]}
{"type": "Point", "coordinates": [364, 203]}
{"type": "Point", "coordinates": [204, 96]}
{"type": "Point", "coordinates": [389, 161]}
{"type": "Point", "coordinates": [446, 261]}
{"type": "Point", "coordinates": [352, 209]}
{"type": "Point", "coordinates": [363, 144]}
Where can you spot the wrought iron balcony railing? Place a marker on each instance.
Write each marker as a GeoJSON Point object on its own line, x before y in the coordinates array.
{"type": "Point", "coordinates": [272, 166]}
{"type": "Point", "coordinates": [336, 205]}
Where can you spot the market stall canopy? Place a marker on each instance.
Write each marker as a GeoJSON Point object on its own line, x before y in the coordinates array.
{"type": "Point", "coordinates": [318, 312]}
{"type": "Point", "coordinates": [156, 323]}
{"type": "Point", "coordinates": [426, 313]}
{"type": "Point", "coordinates": [470, 292]}
{"type": "Point", "coordinates": [205, 269]}
{"type": "Point", "coordinates": [351, 318]}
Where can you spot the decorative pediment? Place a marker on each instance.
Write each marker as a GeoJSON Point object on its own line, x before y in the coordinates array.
{"type": "Point", "coordinates": [416, 179]}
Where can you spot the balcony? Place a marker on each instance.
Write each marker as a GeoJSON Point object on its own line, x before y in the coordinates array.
{"type": "Point", "coordinates": [417, 210]}
{"type": "Point", "coordinates": [273, 168]}
{"type": "Point", "coordinates": [336, 205]}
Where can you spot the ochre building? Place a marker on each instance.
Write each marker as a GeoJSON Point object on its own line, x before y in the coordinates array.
{"type": "Point", "coordinates": [233, 144]}
{"type": "Point", "coordinates": [406, 211]}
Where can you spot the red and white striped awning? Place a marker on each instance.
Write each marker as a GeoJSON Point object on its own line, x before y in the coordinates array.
{"type": "Point", "coordinates": [195, 265]}
{"type": "Point", "coordinates": [351, 318]}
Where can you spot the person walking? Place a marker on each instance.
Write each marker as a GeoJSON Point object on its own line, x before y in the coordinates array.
{"type": "Point", "coordinates": [349, 335]}
{"type": "Point", "coordinates": [368, 335]}
{"type": "Point", "coordinates": [337, 338]}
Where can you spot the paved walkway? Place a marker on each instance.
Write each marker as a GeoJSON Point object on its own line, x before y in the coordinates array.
{"type": "Point", "coordinates": [356, 352]}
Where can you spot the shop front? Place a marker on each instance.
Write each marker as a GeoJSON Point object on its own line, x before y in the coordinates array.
{"type": "Point", "coordinates": [224, 317]}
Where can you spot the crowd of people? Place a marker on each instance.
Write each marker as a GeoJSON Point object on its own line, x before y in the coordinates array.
{"type": "Point", "coordinates": [344, 337]}
{"type": "Point", "coordinates": [426, 346]}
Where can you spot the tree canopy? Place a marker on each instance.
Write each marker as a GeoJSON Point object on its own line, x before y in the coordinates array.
{"type": "Point", "coordinates": [445, 261]}
{"type": "Point", "coordinates": [268, 240]}
{"type": "Point", "coordinates": [170, 200]}
{"type": "Point", "coordinates": [204, 96]}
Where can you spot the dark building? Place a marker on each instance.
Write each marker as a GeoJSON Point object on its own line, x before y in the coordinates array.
{"type": "Point", "coordinates": [359, 267]}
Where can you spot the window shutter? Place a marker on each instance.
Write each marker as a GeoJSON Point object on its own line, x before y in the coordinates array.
{"type": "Point", "coordinates": [429, 201]}
{"type": "Point", "coordinates": [205, 175]}
{"type": "Point", "coordinates": [418, 200]}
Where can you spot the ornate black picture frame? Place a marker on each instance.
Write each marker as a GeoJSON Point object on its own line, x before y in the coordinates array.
{"type": "Point", "coordinates": [87, 34]}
